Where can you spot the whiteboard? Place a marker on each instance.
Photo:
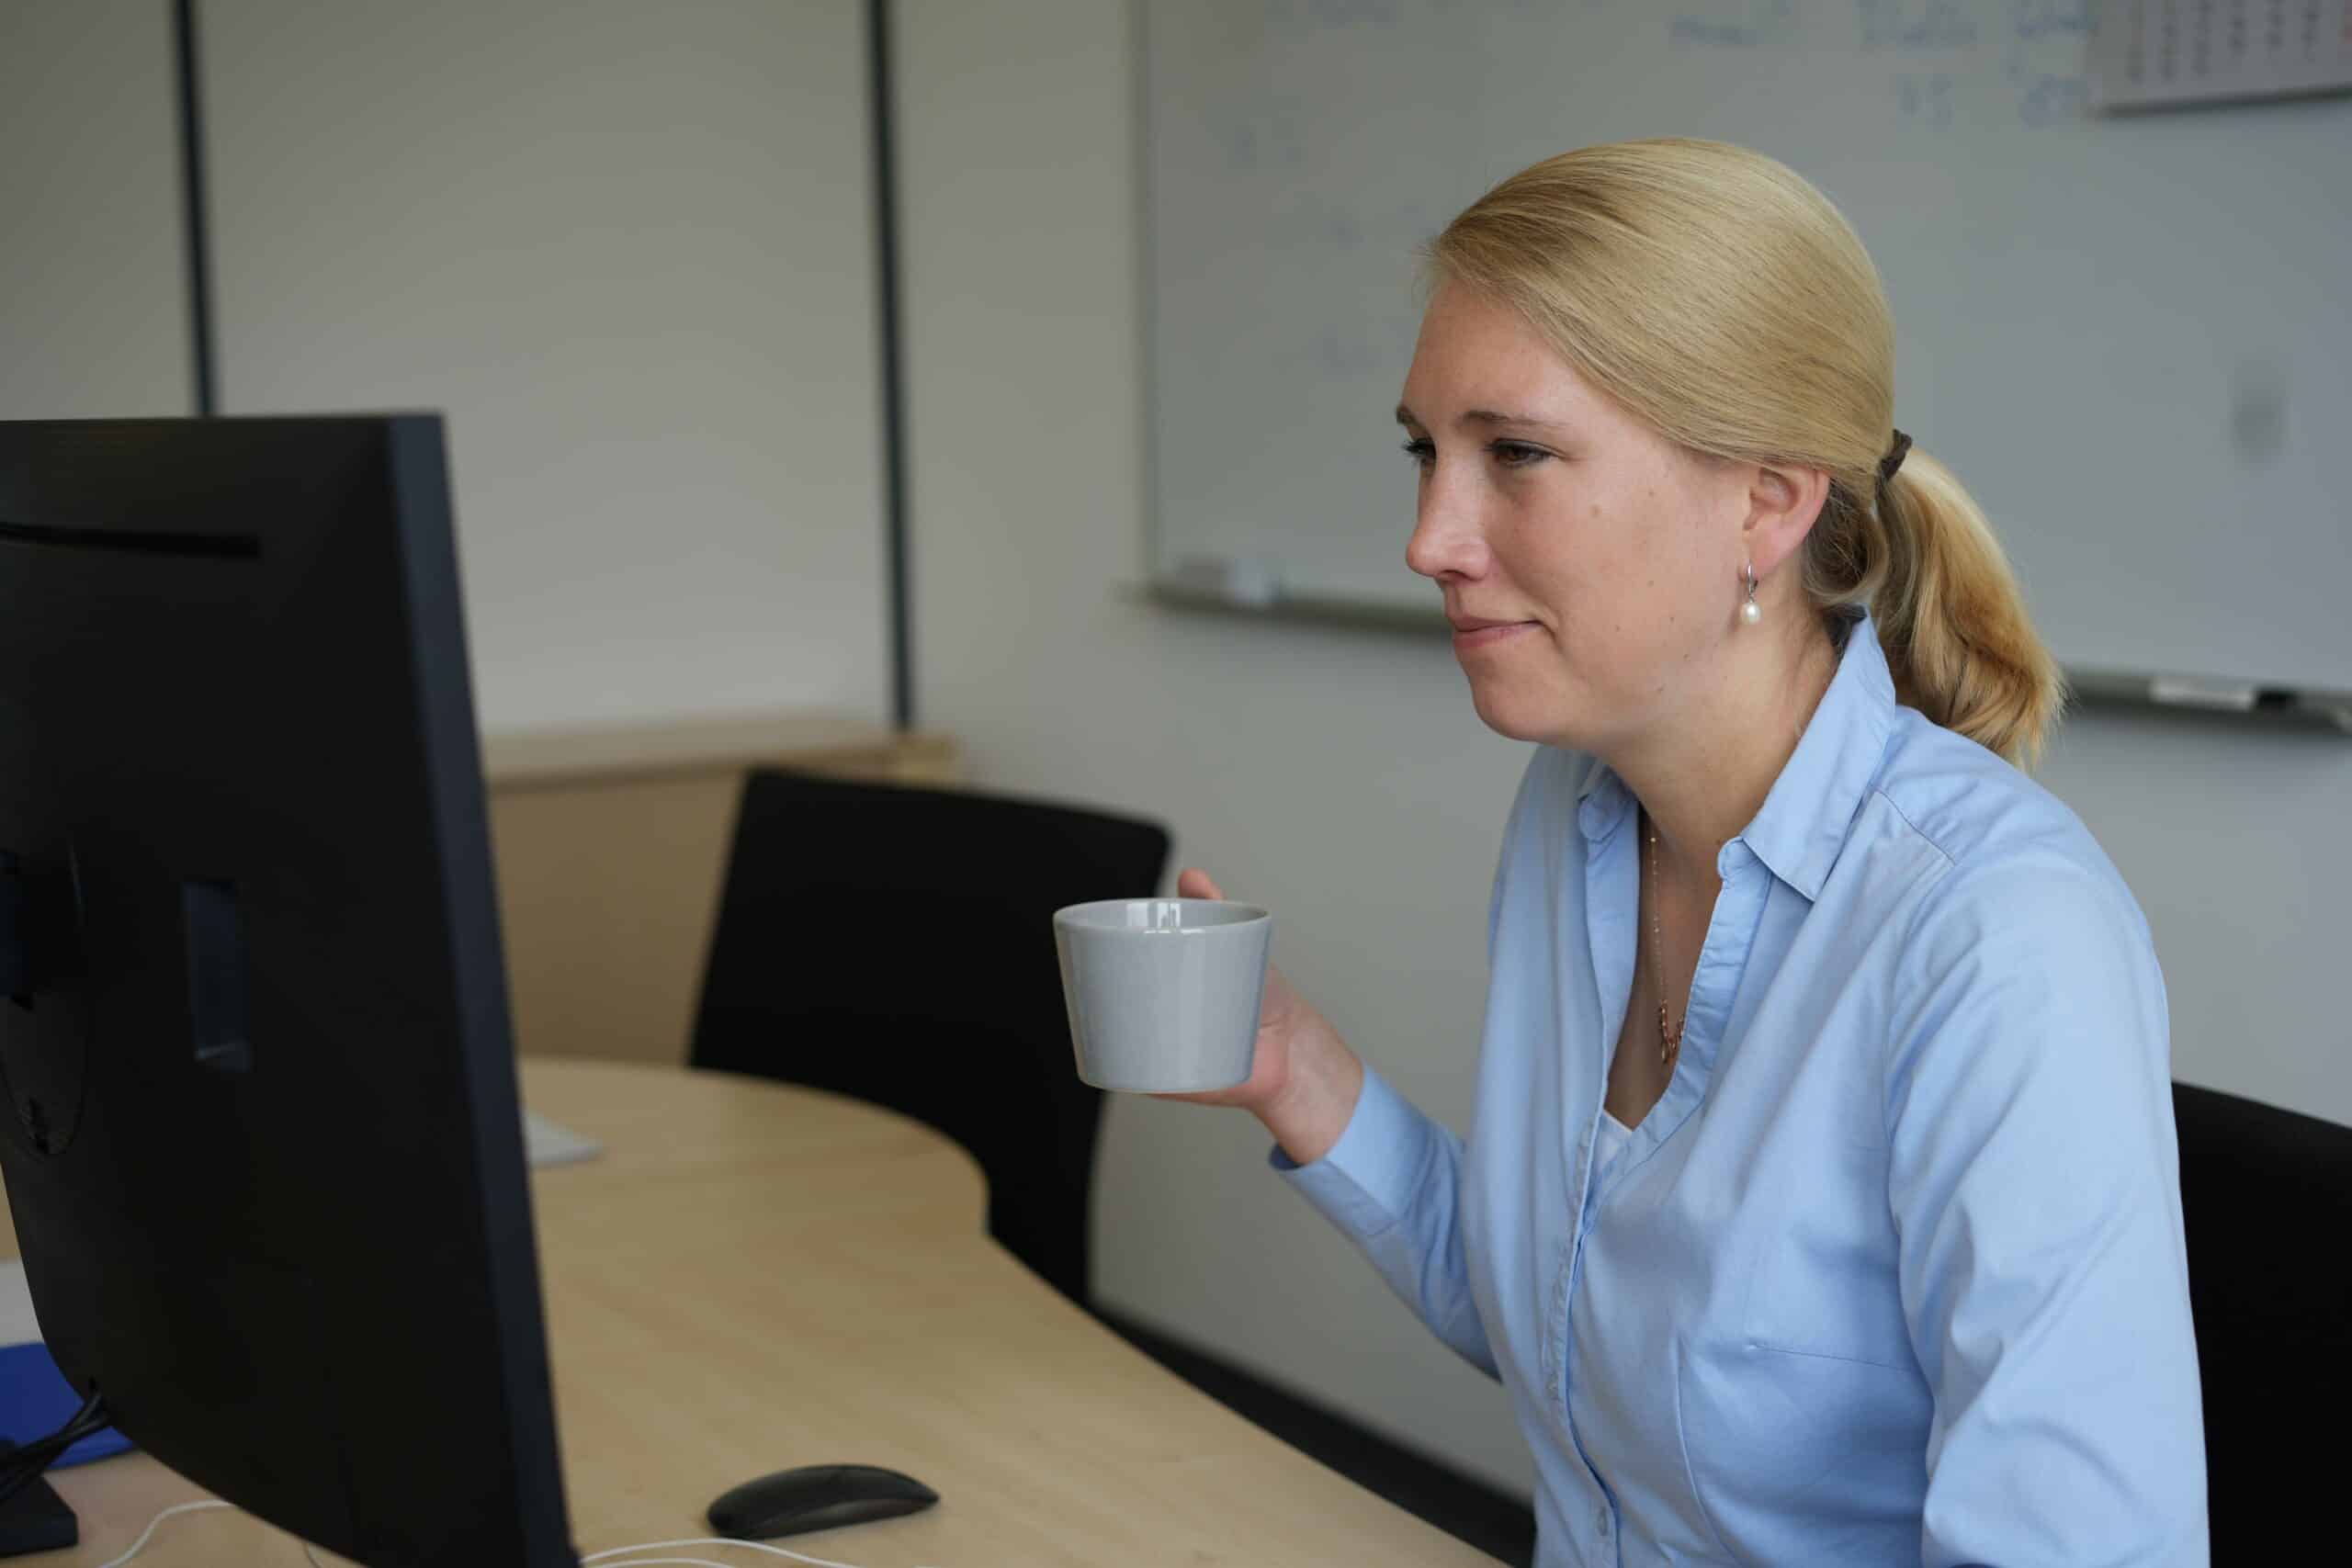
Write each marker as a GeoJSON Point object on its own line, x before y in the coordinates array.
{"type": "Point", "coordinates": [2130, 335]}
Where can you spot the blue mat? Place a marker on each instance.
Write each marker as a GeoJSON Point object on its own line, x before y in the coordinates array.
{"type": "Point", "coordinates": [36, 1400]}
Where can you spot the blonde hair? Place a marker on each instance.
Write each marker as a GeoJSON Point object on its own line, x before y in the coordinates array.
{"type": "Point", "coordinates": [1723, 300]}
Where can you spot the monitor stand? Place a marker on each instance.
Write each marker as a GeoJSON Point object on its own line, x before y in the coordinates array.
{"type": "Point", "coordinates": [36, 1518]}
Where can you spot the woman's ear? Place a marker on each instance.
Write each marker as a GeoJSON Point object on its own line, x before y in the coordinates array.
{"type": "Point", "coordinates": [1783, 501]}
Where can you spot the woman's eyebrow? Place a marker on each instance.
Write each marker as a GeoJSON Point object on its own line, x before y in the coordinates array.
{"type": "Point", "coordinates": [1486, 417]}
{"type": "Point", "coordinates": [1527, 421]}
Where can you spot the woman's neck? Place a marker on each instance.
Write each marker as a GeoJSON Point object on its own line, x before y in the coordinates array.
{"type": "Point", "coordinates": [1704, 775]}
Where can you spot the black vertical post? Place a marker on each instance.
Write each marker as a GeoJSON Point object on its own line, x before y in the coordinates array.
{"type": "Point", "coordinates": [199, 260]}
{"type": "Point", "coordinates": [894, 419]}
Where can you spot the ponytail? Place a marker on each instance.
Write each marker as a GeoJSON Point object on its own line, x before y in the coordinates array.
{"type": "Point", "coordinates": [1948, 609]}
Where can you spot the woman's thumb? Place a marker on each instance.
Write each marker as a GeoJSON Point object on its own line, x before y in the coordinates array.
{"type": "Point", "coordinates": [1195, 884]}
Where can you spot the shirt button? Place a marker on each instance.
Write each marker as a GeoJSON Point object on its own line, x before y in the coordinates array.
{"type": "Point", "coordinates": [1601, 1522]}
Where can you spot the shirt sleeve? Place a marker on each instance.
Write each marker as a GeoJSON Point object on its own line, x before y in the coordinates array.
{"type": "Point", "coordinates": [1392, 1183]}
{"type": "Point", "coordinates": [2034, 1179]}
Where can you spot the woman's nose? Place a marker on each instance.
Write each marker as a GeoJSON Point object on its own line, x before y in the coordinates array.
{"type": "Point", "coordinates": [1446, 537]}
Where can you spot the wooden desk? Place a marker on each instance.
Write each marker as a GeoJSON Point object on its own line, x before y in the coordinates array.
{"type": "Point", "coordinates": [753, 1277]}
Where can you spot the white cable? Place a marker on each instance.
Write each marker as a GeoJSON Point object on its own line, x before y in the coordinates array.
{"type": "Point", "coordinates": [148, 1534]}
{"type": "Point", "coordinates": [702, 1541]}
{"type": "Point", "coordinates": [145, 1536]}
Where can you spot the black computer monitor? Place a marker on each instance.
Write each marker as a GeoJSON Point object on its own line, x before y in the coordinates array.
{"type": "Point", "coordinates": [262, 1143]}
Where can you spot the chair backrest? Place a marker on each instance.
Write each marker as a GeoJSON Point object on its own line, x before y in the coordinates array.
{"type": "Point", "coordinates": [2267, 1198]}
{"type": "Point", "coordinates": [896, 943]}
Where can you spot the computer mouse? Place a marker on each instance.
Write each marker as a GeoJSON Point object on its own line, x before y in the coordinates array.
{"type": "Point", "coordinates": [816, 1497]}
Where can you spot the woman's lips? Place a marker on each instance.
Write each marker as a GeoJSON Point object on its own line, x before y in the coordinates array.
{"type": "Point", "coordinates": [1485, 635]}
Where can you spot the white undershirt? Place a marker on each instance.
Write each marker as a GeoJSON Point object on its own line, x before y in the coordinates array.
{"type": "Point", "coordinates": [1613, 1135]}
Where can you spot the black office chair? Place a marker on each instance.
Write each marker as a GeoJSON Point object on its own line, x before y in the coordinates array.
{"type": "Point", "coordinates": [2267, 1197]}
{"type": "Point", "coordinates": [896, 943]}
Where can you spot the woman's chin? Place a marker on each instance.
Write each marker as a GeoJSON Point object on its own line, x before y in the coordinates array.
{"type": "Point", "coordinates": [1542, 719]}
{"type": "Point", "coordinates": [1509, 713]}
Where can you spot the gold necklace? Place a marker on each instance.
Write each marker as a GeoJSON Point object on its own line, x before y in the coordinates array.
{"type": "Point", "coordinates": [1669, 1036]}
{"type": "Point", "coordinates": [1670, 1041]}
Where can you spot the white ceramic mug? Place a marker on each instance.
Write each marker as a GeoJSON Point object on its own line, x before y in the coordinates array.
{"type": "Point", "coordinates": [1164, 993]}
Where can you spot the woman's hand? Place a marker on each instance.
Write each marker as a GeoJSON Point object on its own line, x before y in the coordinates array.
{"type": "Point", "coordinates": [1304, 1081]}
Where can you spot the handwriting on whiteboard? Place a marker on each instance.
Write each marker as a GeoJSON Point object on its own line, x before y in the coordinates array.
{"type": "Point", "coordinates": [1936, 64]}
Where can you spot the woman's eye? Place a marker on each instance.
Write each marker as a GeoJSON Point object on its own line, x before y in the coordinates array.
{"type": "Point", "coordinates": [1510, 454]}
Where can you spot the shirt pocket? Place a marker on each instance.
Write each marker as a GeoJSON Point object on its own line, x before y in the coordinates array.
{"type": "Point", "coordinates": [1791, 1456]}
{"type": "Point", "coordinates": [1822, 1269]}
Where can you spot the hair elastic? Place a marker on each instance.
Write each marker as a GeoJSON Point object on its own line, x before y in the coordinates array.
{"type": "Point", "coordinates": [1894, 458]}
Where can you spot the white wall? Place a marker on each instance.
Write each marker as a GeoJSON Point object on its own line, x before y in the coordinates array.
{"type": "Point", "coordinates": [93, 278]}
{"type": "Point", "coordinates": [2238, 843]}
{"type": "Point", "coordinates": [1341, 778]}
{"type": "Point", "coordinates": [628, 249]}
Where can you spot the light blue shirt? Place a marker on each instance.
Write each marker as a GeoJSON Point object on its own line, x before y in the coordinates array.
{"type": "Point", "coordinates": [1893, 1272]}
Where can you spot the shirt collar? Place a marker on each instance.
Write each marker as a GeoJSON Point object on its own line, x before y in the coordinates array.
{"type": "Point", "coordinates": [1803, 824]}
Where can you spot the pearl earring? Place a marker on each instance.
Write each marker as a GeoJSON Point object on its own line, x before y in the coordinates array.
{"type": "Point", "coordinates": [1750, 611]}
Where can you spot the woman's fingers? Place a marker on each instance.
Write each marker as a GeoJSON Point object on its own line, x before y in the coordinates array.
{"type": "Point", "coordinates": [1196, 884]}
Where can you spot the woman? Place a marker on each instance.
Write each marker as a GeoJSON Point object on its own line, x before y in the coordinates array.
{"type": "Point", "coordinates": [1821, 1204]}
